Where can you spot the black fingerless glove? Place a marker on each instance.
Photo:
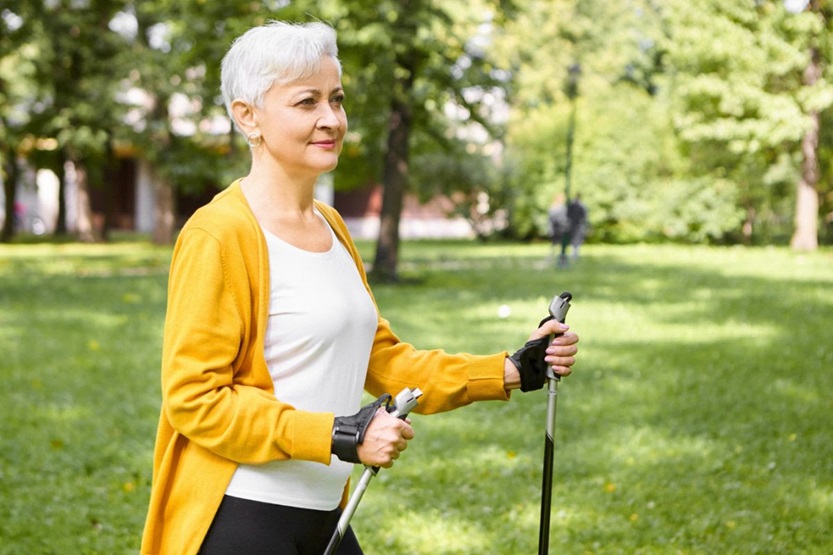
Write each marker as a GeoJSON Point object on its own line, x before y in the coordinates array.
{"type": "Point", "coordinates": [348, 431]}
{"type": "Point", "coordinates": [529, 360]}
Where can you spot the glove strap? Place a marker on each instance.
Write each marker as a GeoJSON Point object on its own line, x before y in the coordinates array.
{"type": "Point", "coordinates": [529, 360]}
{"type": "Point", "coordinates": [348, 431]}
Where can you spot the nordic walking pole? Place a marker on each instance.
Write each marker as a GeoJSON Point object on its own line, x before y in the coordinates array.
{"type": "Point", "coordinates": [403, 404]}
{"type": "Point", "coordinates": [558, 311]}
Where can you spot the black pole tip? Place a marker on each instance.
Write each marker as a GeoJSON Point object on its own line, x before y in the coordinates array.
{"type": "Point", "coordinates": [566, 295]}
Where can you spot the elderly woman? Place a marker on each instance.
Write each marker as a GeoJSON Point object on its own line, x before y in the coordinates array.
{"type": "Point", "coordinates": [272, 333]}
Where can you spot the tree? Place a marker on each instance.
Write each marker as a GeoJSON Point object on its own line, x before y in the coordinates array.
{"type": "Point", "coordinates": [744, 107]}
{"type": "Point", "coordinates": [15, 86]}
{"type": "Point", "coordinates": [76, 104]}
{"type": "Point", "coordinates": [408, 58]}
{"type": "Point", "coordinates": [805, 236]}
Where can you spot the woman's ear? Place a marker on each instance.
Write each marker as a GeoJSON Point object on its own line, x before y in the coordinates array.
{"type": "Point", "coordinates": [244, 115]}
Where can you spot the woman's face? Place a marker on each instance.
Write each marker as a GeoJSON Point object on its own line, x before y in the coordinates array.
{"type": "Point", "coordinates": [303, 122]}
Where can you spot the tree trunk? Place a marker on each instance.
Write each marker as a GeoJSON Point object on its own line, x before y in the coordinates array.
{"type": "Point", "coordinates": [84, 224]}
{"type": "Point", "coordinates": [394, 181]}
{"type": "Point", "coordinates": [61, 219]}
{"type": "Point", "coordinates": [109, 175]}
{"type": "Point", "coordinates": [164, 212]}
{"type": "Point", "coordinates": [749, 225]}
{"type": "Point", "coordinates": [805, 237]}
{"type": "Point", "coordinates": [10, 195]}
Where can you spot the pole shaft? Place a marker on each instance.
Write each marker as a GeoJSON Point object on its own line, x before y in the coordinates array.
{"type": "Point", "coordinates": [546, 486]}
{"type": "Point", "coordinates": [335, 541]}
{"type": "Point", "coordinates": [352, 504]}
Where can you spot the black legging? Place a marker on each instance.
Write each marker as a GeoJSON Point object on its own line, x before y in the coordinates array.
{"type": "Point", "coordinates": [253, 528]}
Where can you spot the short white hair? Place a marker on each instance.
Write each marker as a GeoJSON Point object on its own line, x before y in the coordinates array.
{"type": "Point", "coordinates": [277, 52]}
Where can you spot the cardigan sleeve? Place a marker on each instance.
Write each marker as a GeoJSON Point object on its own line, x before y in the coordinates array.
{"type": "Point", "coordinates": [211, 393]}
{"type": "Point", "coordinates": [447, 381]}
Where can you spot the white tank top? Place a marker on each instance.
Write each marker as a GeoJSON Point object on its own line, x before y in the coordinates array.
{"type": "Point", "coordinates": [321, 328]}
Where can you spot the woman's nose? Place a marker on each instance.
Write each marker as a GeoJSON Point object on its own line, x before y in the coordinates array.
{"type": "Point", "coordinates": [331, 117]}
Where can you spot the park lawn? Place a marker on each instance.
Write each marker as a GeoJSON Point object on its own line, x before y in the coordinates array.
{"type": "Point", "coordinates": [698, 419]}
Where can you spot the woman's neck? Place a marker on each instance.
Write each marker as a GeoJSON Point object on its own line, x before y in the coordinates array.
{"type": "Point", "coordinates": [285, 208]}
{"type": "Point", "coordinates": [276, 191]}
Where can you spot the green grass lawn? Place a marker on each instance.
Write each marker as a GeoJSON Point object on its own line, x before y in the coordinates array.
{"type": "Point", "coordinates": [698, 420]}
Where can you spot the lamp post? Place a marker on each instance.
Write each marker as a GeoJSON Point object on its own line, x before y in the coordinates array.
{"type": "Point", "coordinates": [572, 92]}
{"type": "Point", "coordinates": [573, 75]}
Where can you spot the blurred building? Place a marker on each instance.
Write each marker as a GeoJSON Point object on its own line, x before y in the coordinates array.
{"type": "Point", "coordinates": [128, 204]}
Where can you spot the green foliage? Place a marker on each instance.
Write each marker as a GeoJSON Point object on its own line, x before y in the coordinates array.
{"type": "Point", "coordinates": [697, 211]}
{"type": "Point", "coordinates": [72, 52]}
{"type": "Point", "coordinates": [670, 96]}
{"type": "Point", "coordinates": [696, 419]}
{"type": "Point", "coordinates": [742, 104]}
{"type": "Point", "coordinates": [624, 149]}
{"type": "Point", "coordinates": [674, 96]}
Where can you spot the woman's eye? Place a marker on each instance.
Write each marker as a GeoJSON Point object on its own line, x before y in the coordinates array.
{"type": "Point", "coordinates": [338, 99]}
{"type": "Point", "coordinates": [307, 102]}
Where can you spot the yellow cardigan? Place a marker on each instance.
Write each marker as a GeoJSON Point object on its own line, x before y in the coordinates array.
{"type": "Point", "coordinates": [218, 403]}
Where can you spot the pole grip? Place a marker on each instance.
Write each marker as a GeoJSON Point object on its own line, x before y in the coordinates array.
{"type": "Point", "coordinates": [558, 309]}
{"type": "Point", "coordinates": [560, 305]}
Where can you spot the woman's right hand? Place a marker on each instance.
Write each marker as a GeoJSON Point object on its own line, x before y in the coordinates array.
{"type": "Point", "coordinates": [386, 437]}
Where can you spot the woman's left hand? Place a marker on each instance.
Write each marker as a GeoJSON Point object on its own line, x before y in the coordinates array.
{"type": "Point", "coordinates": [560, 353]}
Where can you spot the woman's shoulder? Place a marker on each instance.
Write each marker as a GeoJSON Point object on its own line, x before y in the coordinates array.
{"type": "Point", "coordinates": [227, 215]}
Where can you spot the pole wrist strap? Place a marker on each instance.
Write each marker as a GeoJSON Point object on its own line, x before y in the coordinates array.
{"type": "Point", "coordinates": [529, 360]}
{"type": "Point", "coordinates": [348, 431]}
